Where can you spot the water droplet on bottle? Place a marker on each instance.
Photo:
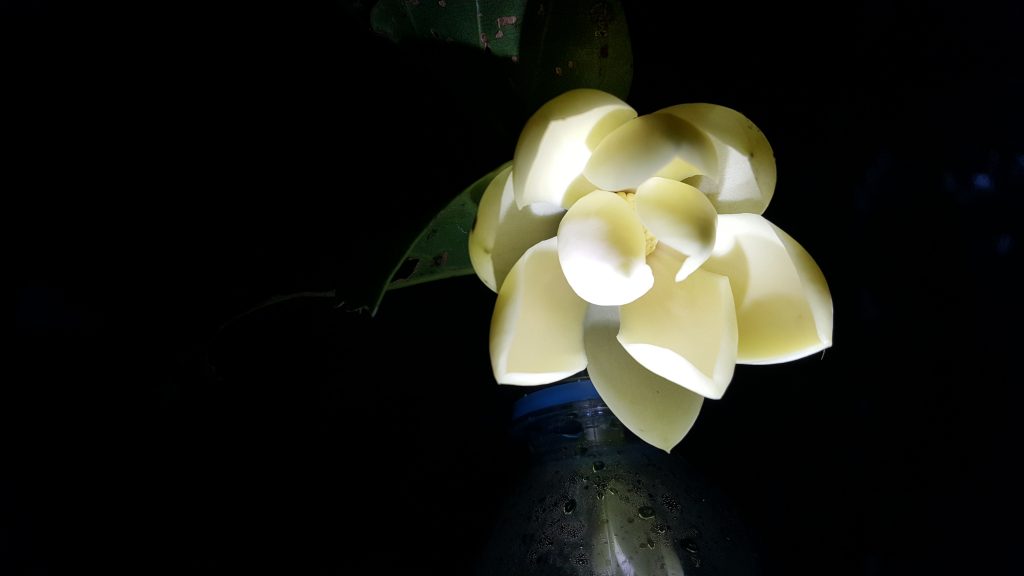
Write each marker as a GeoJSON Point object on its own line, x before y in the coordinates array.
{"type": "Point", "coordinates": [660, 528]}
{"type": "Point", "coordinates": [569, 506]}
{"type": "Point", "coordinates": [691, 533]}
{"type": "Point", "coordinates": [645, 512]}
{"type": "Point", "coordinates": [598, 466]}
{"type": "Point", "coordinates": [689, 545]}
{"type": "Point", "coordinates": [569, 429]}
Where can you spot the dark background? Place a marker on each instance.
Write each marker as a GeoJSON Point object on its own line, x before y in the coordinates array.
{"type": "Point", "coordinates": [174, 166]}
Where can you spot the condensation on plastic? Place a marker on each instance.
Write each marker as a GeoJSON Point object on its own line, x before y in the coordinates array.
{"type": "Point", "coordinates": [595, 500]}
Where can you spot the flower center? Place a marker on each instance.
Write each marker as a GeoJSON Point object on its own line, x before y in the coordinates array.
{"type": "Point", "coordinates": [650, 242]}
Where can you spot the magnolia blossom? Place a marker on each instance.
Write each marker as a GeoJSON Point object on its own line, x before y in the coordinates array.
{"type": "Point", "coordinates": [634, 247]}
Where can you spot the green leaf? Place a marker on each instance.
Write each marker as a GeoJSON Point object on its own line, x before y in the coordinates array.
{"type": "Point", "coordinates": [553, 45]}
{"type": "Point", "coordinates": [567, 44]}
{"type": "Point", "coordinates": [442, 248]}
{"type": "Point", "coordinates": [535, 50]}
{"type": "Point", "coordinates": [484, 24]}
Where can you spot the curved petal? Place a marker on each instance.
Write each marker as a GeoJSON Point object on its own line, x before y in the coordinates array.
{"type": "Point", "coordinates": [601, 247]}
{"type": "Point", "coordinates": [557, 141]}
{"type": "Point", "coordinates": [651, 145]}
{"type": "Point", "coordinates": [537, 327]}
{"type": "Point", "coordinates": [485, 229]}
{"type": "Point", "coordinates": [745, 179]}
{"type": "Point", "coordinates": [783, 305]}
{"type": "Point", "coordinates": [679, 216]}
{"type": "Point", "coordinates": [683, 331]}
{"type": "Point", "coordinates": [815, 287]}
{"type": "Point", "coordinates": [658, 411]}
{"type": "Point", "coordinates": [503, 231]}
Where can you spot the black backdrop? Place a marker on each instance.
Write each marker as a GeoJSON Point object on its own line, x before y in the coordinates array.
{"type": "Point", "coordinates": [175, 165]}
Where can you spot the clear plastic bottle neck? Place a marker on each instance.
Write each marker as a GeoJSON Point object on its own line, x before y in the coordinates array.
{"type": "Point", "coordinates": [566, 421]}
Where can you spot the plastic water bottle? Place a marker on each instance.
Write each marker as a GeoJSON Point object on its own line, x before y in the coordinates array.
{"type": "Point", "coordinates": [596, 500]}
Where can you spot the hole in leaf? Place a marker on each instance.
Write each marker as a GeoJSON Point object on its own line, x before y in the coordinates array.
{"type": "Point", "coordinates": [406, 269]}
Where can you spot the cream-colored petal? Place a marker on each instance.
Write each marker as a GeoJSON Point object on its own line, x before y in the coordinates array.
{"type": "Point", "coordinates": [601, 248]}
{"type": "Point", "coordinates": [503, 231]}
{"type": "Point", "coordinates": [683, 331]}
{"type": "Point", "coordinates": [745, 178]}
{"type": "Point", "coordinates": [783, 305]}
{"type": "Point", "coordinates": [537, 326]}
{"type": "Point", "coordinates": [658, 411]}
{"type": "Point", "coordinates": [815, 287]}
{"type": "Point", "coordinates": [485, 229]}
{"type": "Point", "coordinates": [651, 145]}
{"type": "Point", "coordinates": [557, 141]}
{"type": "Point", "coordinates": [679, 216]}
